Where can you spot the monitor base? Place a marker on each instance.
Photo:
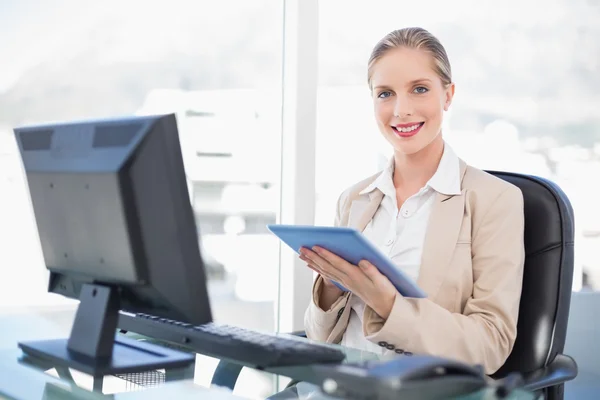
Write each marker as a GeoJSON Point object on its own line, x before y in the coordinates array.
{"type": "Point", "coordinates": [93, 346]}
{"type": "Point", "coordinates": [129, 356]}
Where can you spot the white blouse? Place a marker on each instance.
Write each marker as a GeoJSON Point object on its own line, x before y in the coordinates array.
{"type": "Point", "coordinates": [400, 233]}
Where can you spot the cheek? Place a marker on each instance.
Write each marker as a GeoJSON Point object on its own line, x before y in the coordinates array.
{"type": "Point", "coordinates": [433, 110]}
{"type": "Point", "coordinates": [382, 112]}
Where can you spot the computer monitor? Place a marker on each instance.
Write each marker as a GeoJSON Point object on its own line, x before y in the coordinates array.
{"type": "Point", "coordinates": [117, 231]}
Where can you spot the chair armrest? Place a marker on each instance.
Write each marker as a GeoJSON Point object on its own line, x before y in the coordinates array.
{"type": "Point", "coordinates": [226, 374]}
{"type": "Point", "coordinates": [561, 370]}
{"type": "Point", "coordinates": [298, 333]}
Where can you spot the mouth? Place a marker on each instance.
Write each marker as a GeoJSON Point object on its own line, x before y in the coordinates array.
{"type": "Point", "coordinates": [408, 130]}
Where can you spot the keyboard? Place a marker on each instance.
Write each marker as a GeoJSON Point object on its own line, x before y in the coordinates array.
{"type": "Point", "coordinates": [244, 346]}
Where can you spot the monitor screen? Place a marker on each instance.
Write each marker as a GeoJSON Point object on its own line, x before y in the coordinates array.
{"type": "Point", "coordinates": [112, 206]}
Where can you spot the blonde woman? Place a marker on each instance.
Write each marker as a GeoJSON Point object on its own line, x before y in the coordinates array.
{"type": "Point", "coordinates": [456, 230]}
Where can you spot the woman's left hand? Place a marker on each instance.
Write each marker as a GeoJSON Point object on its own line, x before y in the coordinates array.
{"type": "Point", "coordinates": [364, 280]}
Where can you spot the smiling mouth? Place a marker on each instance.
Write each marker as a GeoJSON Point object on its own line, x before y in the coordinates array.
{"type": "Point", "coordinates": [407, 131]}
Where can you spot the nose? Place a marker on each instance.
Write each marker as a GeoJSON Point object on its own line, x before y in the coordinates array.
{"type": "Point", "coordinates": [402, 107]}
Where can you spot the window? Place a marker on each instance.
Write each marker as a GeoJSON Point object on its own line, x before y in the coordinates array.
{"type": "Point", "coordinates": [216, 64]}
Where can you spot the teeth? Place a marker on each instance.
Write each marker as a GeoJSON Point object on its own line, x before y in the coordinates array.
{"type": "Point", "coordinates": [408, 129]}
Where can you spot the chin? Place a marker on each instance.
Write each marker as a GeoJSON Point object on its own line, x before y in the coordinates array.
{"type": "Point", "coordinates": [409, 149]}
{"type": "Point", "coordinates": [413, 144]}
{"type": "Point", "coordinates": [407, 146]}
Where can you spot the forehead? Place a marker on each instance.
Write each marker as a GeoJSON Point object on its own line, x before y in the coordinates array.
{"type": "Point", "coordinates": [402, 65]}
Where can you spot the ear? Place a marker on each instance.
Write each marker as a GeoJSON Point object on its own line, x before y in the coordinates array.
{"type": "Point", "coordinates": [449, 96]}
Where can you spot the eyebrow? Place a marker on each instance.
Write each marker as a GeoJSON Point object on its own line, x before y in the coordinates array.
{"type": "Point", "coordinates": [411, 83]}
{"type": "Point", "coordinates": [420, 80]}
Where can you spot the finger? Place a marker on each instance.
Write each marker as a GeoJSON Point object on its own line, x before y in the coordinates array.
{"type": "Point", "coordinates": [325, 273]}
{"type": "Point", "coordinates": [312, 265]}
{"type": "Point", "coordinates": [309, 263]}
{"type": "Point", "coordinates": [370, 270]}
{"type": "Point", "coordinates": [311, 257]}
{"type": "Point", "coordinates": [323, 263]}
{"type": "Point", "coordinates": [331, 258]}
{"type": "Point", "coordinates": [309, 254]}
{"type": "Point", "coordinates": [316, 268]}
{"type": "Point", "coordinates": [303, 250]}
{"type": "Point", "coordinates": [321, 272]}
{"type": "Point", "coordinates": [334, 263]}
{"type": "Point", "coordinates": [324, 268]}
{"type": "Point", "coordinates": [313, 268]}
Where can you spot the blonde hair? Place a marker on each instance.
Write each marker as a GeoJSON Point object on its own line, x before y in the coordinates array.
{"type": "Point", "coordinates": [413, 38]}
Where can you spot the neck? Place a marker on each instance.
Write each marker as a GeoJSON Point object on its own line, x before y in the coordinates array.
{"type": "Point", "coordinates": [415, 170]}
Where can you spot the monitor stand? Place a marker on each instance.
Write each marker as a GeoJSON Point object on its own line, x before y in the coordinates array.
{"type": "Point", "coordinates": [94, 347]}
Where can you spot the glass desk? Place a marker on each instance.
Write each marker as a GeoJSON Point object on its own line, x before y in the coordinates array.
{"type": "Point", "coordinates": [26, 378]}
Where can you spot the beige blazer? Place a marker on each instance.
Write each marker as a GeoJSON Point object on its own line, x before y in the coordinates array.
{"type": "Point", "coordinates": [471, 270]}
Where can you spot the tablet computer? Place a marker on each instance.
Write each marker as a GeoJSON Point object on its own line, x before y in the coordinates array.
{"type": "Point", "coordinates": [352, 246]}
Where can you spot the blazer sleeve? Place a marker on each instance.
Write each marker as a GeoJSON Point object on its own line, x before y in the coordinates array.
{"type": "Point", "coordinates": [486, 330]}
{"type": "Point", "coordinates": [319, 323]}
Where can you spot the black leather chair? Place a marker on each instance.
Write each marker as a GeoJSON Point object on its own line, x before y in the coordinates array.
{"type": "Point", "coordinates": [546, 296]}
{"type": "Point", "coordinates": [547, 285]}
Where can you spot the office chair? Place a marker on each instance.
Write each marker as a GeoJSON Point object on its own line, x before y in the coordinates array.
{"type": "Point", "coordinates": [547, 286]}
{"type": "Point", "coordinates": [546, 295]}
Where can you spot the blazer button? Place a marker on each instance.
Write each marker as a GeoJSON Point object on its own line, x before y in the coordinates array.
{"type": "Point", "coordinates": [407, 353]}
{"type": "Point", "coordinates": [399, 351]}
{"type": "Point", "coordinates": [390, 347]}
{"type": "Point", "coordinates": [382, 344]}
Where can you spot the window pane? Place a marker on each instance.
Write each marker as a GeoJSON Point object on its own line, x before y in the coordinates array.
{"type": "Point", "coordinates": [216, 64]}
{"type": "Point", "coordinates": [526, 96]}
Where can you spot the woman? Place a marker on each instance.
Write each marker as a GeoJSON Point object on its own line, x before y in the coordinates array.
{"type": "Point", "coordinates": [456, 230]}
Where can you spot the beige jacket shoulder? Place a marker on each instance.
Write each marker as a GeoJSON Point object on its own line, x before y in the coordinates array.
{"type": "Point", "coordinates": [471, 270]}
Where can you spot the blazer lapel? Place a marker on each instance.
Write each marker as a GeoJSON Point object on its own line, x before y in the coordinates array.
{"type": "Point", "coordinates": [443, 229]}
{"type": "Point", "coordinates": [363, 209]}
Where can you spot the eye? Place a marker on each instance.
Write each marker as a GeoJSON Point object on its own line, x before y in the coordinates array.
{"type": "Point", "coordinates": [384, 94]}
{"type": "Point", "coordinates": [421, 90]}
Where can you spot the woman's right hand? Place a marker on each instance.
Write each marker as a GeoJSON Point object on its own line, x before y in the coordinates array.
{"type": "Point", "coordinates": [329, 292]}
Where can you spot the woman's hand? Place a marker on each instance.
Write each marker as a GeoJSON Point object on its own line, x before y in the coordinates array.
{"type": "Point", "coordinates": [364, 280]}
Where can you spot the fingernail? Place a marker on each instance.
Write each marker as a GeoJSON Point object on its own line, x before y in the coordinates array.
{"type": "Point", "coordinates": [316, 249]}
{"type": "Point", "coordinates": [363, 264]}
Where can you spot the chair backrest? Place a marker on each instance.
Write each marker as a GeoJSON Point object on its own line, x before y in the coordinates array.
{"type": "Point", "coordinates": [548, 275]}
